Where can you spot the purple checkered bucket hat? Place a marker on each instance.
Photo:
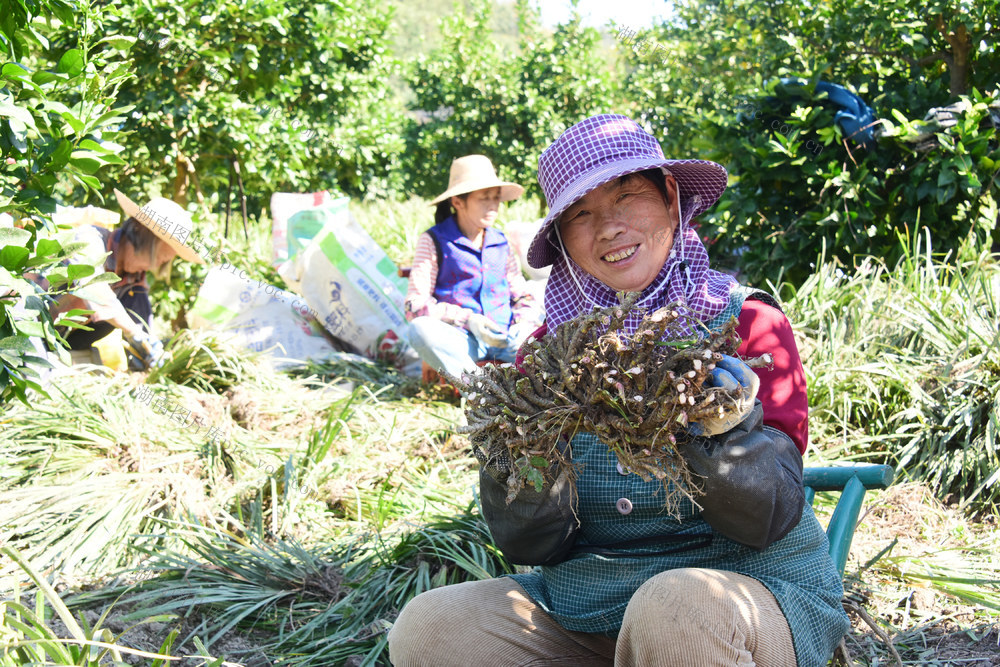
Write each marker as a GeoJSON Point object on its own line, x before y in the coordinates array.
{"type": "Point", "coordinates": [600, 149]}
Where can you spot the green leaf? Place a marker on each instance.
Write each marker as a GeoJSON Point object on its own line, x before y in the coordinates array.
{"type": "Point", "coordinates": [120, 42]}
{"type": "Point", "coordinates": [75, 271]}
{"type": "Point", "coordinates": [12, 71]}
{"type": "Point", "coordinates": [18, 344]}
{"type": "Point", "coordinates": [106, 277]}
{"type": "Point", "coordinates": [77, 312]}
{"type": "Point", "coordinates": [539, 462]}
{"type": "Point", "coordinates": [71, 324]}
{"type": "Point", "coordinates": [113, 116]}
{"type": "Point", "coordinates": [74, 247]}
{"type": "Point", "coordinates": [71, 63]}
{"type": "Point", "coordinates": [64, 12]}
{"type": "Point", "coordinates": [91, 145]}
{"type": "Point", "coordinates": [535, 478]}
{"type": "Point", "coordinates": [57, 277]}
{"type": "Point", "coordinates": [87, 165]}
{"type": "Point", "coordinates": [30, 328]}
{"type": "Point", "coordinates": [13, 258]}
{"type": "Point", "coordinates": [46, 247]}
{"type": "Point", "coordinates": [60, 156]}
{"type": "Point", "coordinates": [90, 181]}
{"type": "Point", "coordinates": [10, 110]}
{"type": "Point", "coordinates": [43, 77]}
{"type": "Point", "coordinates": [945, 177]}
{"type": "Point", "coordinates": [14, 236]}
{"type": "Point", "coordinates": [73, 121]}
{"type": "Point", "coordinates": [19, 135]}
{"type": "Point", "coordinates": [10, 358]}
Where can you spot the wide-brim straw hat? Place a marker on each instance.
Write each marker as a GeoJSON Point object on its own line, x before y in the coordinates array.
{"type": "Point", "coordinates": [476, 172]}
{"type": "Point", "coordinates": [165, 218]}
{"type": "Point", "coordinates": [600, 149]}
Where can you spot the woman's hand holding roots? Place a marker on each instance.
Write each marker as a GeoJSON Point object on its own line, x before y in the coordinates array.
{"type": "Point", "coordinates": [636, 392]}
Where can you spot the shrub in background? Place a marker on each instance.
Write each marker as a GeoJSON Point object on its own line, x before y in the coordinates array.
{"type": "Point", "coordinates": [799, 187]}
{"type": "Point", "coordinates": [904, 367]}
{"type": "Point", "coordinates": [476, 97]}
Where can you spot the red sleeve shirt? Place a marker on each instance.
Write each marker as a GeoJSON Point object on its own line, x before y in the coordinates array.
{"type": "Point", "coordinates": [765, 329]}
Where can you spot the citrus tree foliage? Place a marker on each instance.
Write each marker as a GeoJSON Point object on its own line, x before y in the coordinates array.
{"type": "Point", "coordinates": [293, 95]}
{"type": "Point", "coordinates": [58, 114]}
{"type": "Point", "coordinates": [714, 90]}
{"type": "Point", "coordinates": [899, 54]}
{"type": "Point", "coordinates": [900, 47]}
{"type": "Point", "coordinates": [58, 106]}
{"type": "Point", "coordinates": [476, 97]}
{"type": "Point", "coordinates": [800, 189]}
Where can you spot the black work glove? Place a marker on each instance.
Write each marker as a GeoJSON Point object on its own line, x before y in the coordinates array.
{"type": "Point", "coordinates": [537, 527]}
{"type": "Point", "coordinates": [752, 481]}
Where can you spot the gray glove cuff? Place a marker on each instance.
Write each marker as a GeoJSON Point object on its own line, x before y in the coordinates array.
{"type": "Point", "coordinates": [752, 481]}
{"type": "Point", "coordinates": [537, 528]}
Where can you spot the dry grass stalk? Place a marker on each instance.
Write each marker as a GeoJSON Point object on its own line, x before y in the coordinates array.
{"type": "Point", "coordinates": [635, 392]}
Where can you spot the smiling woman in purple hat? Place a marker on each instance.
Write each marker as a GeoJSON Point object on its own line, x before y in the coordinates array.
{"type": "Point", "coordinates": [744, 577]}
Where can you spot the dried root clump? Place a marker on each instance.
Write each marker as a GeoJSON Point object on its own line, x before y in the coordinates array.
{"type": "Point", "coordinates": [635, 392]}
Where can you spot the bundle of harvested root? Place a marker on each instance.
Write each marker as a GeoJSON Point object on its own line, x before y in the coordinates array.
{"type": "Point", "coordinates": [635, 391]}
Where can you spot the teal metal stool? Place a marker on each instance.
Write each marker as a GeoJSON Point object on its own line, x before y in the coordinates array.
{"type": "Point", "coordinates": [852, 481]}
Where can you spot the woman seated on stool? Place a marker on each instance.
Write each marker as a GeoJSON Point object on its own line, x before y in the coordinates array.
{"type": "Point", "coordinates": [467, 300]}
{"type": "Point", "coordinates": [744, 577]}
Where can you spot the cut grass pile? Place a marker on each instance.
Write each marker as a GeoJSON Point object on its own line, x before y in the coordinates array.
{"type": "Point", "coordinates": [87, 473]}
{"type": "Point", "coordinates": [903, 367]}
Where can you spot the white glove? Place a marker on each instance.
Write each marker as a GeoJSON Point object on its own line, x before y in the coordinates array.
{"type": "Point", "coordinates": [730, 374]}
{"type": "Point", "coordinates": [486, 331]}
{"type": "Point", "coordinates": [519, 332]}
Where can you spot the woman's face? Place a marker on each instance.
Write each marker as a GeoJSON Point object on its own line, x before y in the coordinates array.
{"type": "Point", "coordinates": [477, 211]}
{"type": "Point", "coordinates": [157, 261]}
{"type": "Point", "coordinates": [621, 233]}
{"type": "Point", "coordinates": [161, 261]}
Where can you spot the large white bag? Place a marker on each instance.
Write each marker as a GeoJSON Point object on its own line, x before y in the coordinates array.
{"type": "Point", "coordinates": [283, 206]}
{"type": "Point", "coordinates": [261, 317]}
{"type": "Point", "coordinates": [349, 281]}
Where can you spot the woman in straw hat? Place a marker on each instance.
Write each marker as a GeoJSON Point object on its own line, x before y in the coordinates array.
{"type": "Point", "coordinates": [467, 300]}
{"type": "Point", "coordinates": [744, 577]}
{"type": "Point", "coordinates": [147, 241]}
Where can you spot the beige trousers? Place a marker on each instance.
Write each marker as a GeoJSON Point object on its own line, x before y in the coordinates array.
{"type": "Point", "coordinates": [679, 617]}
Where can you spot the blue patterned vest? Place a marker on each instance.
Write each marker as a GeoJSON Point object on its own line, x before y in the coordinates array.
{"type": "Point", "coordinates": [469, 277]}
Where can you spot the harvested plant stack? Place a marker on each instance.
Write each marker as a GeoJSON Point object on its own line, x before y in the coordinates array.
{"type": "Point", "coordinates": [635, 391]}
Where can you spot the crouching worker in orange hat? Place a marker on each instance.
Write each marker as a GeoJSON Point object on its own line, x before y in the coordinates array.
{"type": "Point", "coordinates": [148, 240]}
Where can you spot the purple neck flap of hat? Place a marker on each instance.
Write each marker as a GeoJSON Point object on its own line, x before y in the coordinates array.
{"type": "Point", "coordinates": [596, 151]}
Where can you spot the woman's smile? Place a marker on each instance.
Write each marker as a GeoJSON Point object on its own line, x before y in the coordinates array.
{"type": "Point", "coordinates": [620, 255]}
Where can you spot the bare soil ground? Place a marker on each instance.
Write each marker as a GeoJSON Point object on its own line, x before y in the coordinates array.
{"type": "Point", "coordinates": [925, 626]}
